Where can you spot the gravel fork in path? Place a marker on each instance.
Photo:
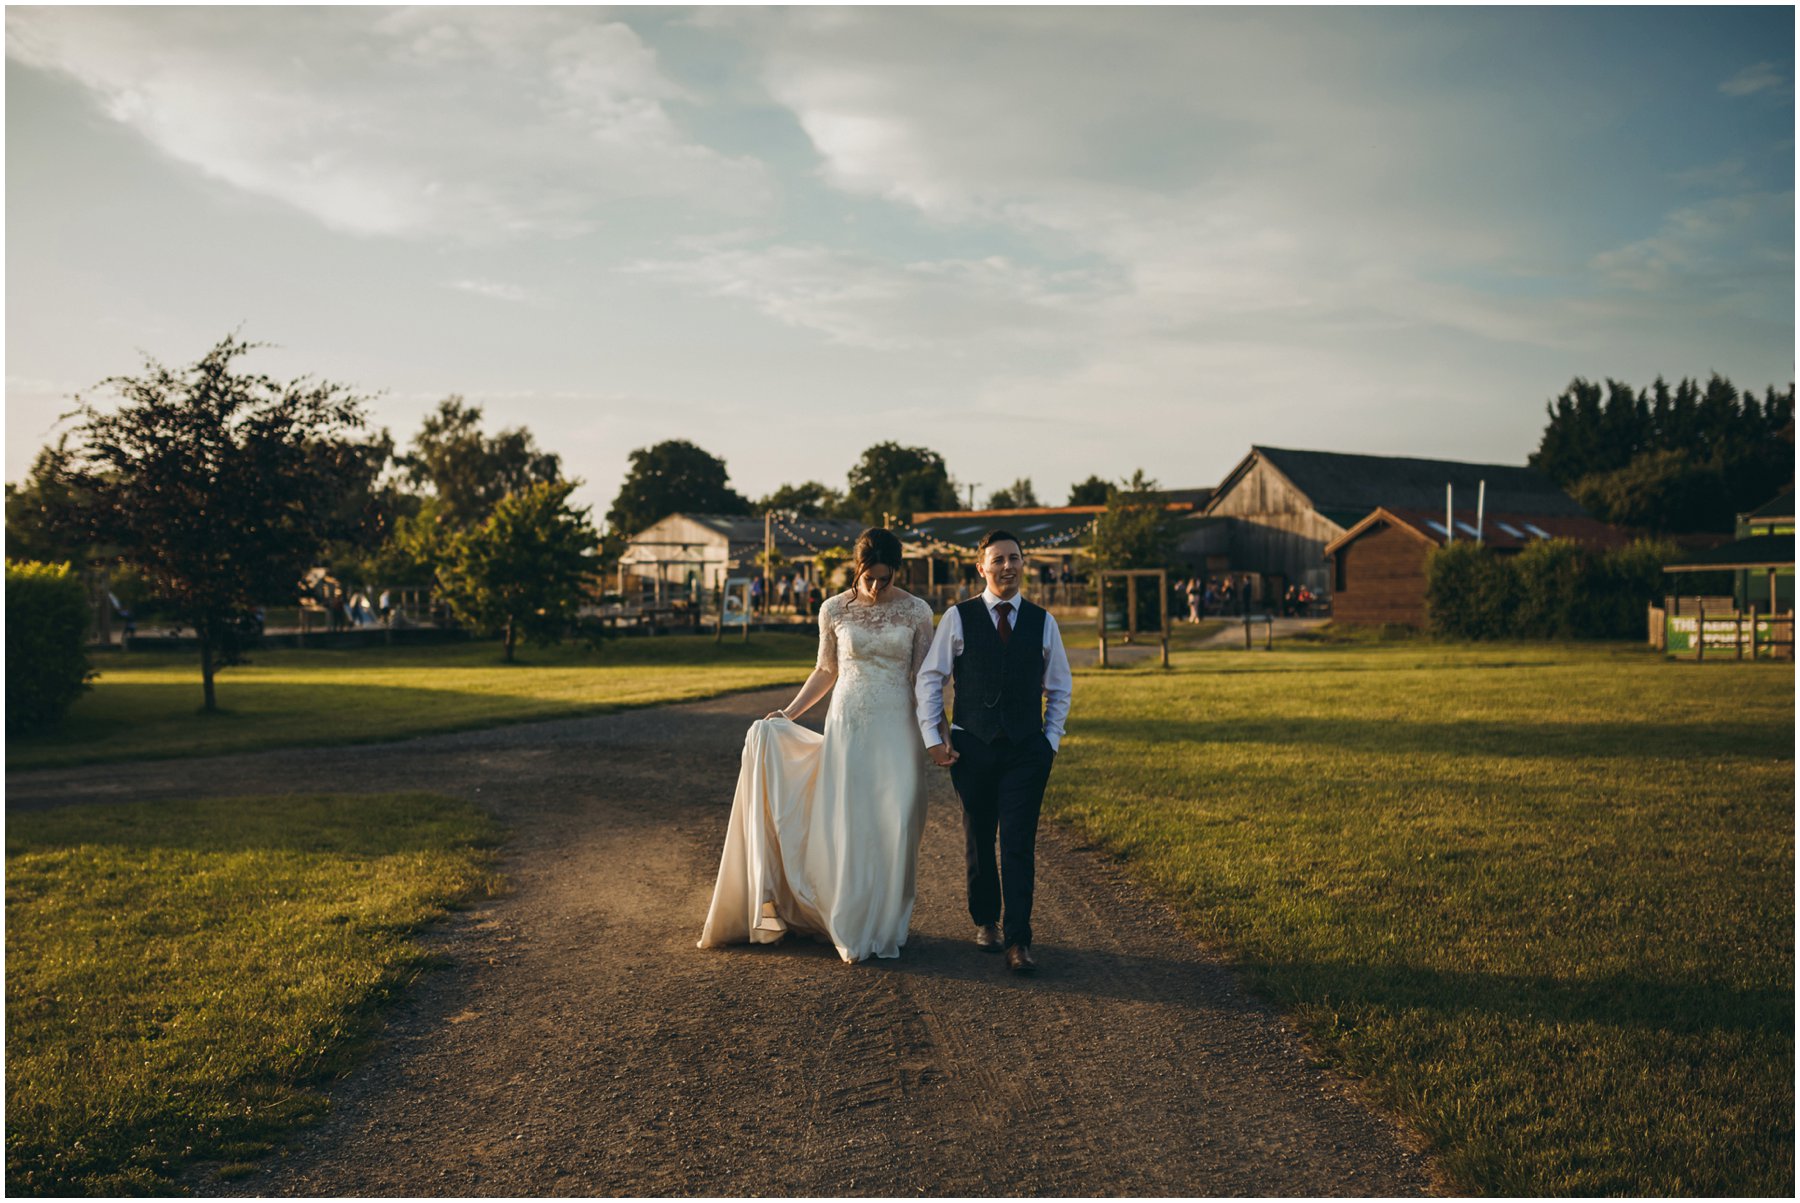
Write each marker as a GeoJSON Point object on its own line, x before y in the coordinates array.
{"type": "Point", "coordinates": [577, 1042]}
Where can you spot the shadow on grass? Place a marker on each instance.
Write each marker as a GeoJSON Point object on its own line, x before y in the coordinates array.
{"type": "Point", "coordinates": [1527, 740]}
{"type": "Point", "coordinates": [347, 824]}
{"type": "Point", "coordinates": [1619, 1000]}
{"type": "Point", "coordinates": [161, 720]}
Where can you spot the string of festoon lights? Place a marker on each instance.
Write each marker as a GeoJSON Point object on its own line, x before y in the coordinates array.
{"type": "Point", "coordinates": [832, 538]}
{"type": "Point", "coordinates": [782, 526]}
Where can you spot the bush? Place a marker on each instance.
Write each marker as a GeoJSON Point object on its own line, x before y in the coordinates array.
{"type": "Point", "coordinates": [1470, 593]}
{"type": "Point", "coordinates": [1555, 579]}
{"type": "Point", "coordinates": [46, 661]}
{"type": "Point", "coordinates": [1631, 580]}
{"type": "Point", "coordinates": [1554, 589]}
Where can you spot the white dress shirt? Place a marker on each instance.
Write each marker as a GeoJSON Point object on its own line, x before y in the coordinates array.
{"type": "Point", "coordinates": [940, 663]}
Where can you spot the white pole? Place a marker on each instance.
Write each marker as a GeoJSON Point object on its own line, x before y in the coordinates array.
{"type": "Point", "coordinates": [1480, 509]}
{"type": "Point", "coordinates": [1449, 515]}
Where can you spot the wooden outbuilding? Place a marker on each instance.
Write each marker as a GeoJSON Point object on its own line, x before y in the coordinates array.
{"type": "Point", "coordinates": [685, 556]}
{"type": "Point", "coordinates": [1378, 565]}
{"type": "Point", "coordinates": [1275, 513]}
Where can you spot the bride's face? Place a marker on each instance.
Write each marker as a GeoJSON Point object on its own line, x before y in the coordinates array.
{"type": "Point", "coordinates": [875, 582]}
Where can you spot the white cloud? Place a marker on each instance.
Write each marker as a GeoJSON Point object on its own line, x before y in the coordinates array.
{"type": "Point", "coordinates": [471, 123]}
{"type": "Point", "coordinates": [1757, 77]}
{"type": "Point", "coordinates": [863, 301]}
{"type": "Point", "coordinates": [1724, 243]}
{"type": "Point", "coordinates": [492, 289]}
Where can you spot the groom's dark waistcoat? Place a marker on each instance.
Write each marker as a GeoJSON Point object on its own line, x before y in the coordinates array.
{"type": "Point", "coordinates": [1000, 686]}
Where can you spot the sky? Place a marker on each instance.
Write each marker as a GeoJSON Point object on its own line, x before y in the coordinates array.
{"type": "Point", "coordinates": [1044, 242]}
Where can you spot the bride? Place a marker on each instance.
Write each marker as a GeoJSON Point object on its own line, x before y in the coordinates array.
{"type": "Point", "coordinates": [824, 832]}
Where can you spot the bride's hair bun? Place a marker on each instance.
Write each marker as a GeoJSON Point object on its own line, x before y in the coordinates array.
{"type": "Point", "coordinates": [877, 545]}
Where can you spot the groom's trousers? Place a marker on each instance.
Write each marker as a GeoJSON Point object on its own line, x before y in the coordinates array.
{"type": "Point", "coordinates": [1001, 785]}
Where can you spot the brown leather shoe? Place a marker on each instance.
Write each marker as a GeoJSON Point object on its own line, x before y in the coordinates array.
{"type": "Point", "coordinates": [987, 937]}
{"type": "Point", "coordinates": [1018, 959]}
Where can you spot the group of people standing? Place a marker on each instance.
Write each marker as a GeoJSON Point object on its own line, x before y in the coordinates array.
{"type": "Point", "coordinates": [825, 826]}
{"type": "Point", "coordinates": [788, 593]}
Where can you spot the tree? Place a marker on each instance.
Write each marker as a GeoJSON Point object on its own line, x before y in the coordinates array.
{"type": "Point", "coordinates": [369, 513]}
{"type": "Point", "coordinates": [1136, 529]}
{"type": "Point", "coordinates": [470, 472]}
{"type": "Point", "coordinates": [1092, 491]}
{"type": "Point", "coordinates": [46, 515]}
{"type": "Point", "coordinates": [1681, 460]}
{"type": "Point", "coordinates": [672, 477]}
{"type": "Point", "coordinates": [1019, 495]}
{"type": "Point", "coordinates": [810, 500]}
{"type": "Point", "coordinates": [220, 487]}
{"type": "Point", "coordinates": [524, 571]}
{"type": "Point", "coordinates": [891, 479]}
{"type": "Point", "coordinates": [1658, 490]}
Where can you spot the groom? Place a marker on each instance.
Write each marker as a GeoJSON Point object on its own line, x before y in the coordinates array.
{"type": "Point", "coordinates": [1006, 657]}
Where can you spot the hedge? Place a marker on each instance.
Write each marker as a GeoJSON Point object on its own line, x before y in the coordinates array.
{"type": "Point", "coordinates": [1553, 589]}
{"type": "Point", "coordinates": [46, 625]}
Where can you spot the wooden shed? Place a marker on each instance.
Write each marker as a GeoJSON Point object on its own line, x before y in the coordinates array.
{"type": "Point", "coordinates": [1275, 513]}
{"type": "Point", "coordinates": [687, 555]}
{"type": "Point", "coordinates": [1378, 565]}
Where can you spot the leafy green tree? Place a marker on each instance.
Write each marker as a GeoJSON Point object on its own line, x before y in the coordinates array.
{"type": "Point", "coordinates": [672, 477]}
{"type": "Point", "coordinates": [46, 517]}
{"type": "Point", "coordinates": [891, 479]}
{"type": "Point", "coordinates": [810, 500]}
{"type": "Point", "coordinates": [421, 548]}
{"type": "Point", "coordinates": [1136, 530]}
{"type": "Point", "coordinates": [1658, 490]}
{"type": "Point", "coordinates": [1685, 459]}
{"type": "Point", "coordinates": [1019, 495]}
{"type": "Point", "coordinates": [468, 471]}
{"type": "Point", "coordinates": [525, 570]}
{"type": "Point", "coordinates": [374, 503]}
{"type": "Point", "coordinates": [220, 487]}
{"type": "Point", "coordinates": [1092, 491]}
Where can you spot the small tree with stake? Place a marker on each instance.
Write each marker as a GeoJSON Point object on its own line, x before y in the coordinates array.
{"type": "Point", "coordinates": [219, 487]}
{"type": "Point", "coordinates": [523, 572]}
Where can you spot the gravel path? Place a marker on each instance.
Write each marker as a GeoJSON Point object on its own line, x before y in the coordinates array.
{"type": "Point", "coordinates": [579, 1043]}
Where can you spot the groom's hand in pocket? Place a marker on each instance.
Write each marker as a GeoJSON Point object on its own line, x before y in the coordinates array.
{"type": "Point", "coordinates": [942, 755]}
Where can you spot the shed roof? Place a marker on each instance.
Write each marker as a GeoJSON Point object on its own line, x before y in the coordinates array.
{"type": "Point", "coordinates": [1758, 551]}
{"type": "Point", "coordinates": [1776, 509]}
{"type": "Point", "coordinates": [1503, 531]}
{"type": "Point", "coordinates": [1342, 486]}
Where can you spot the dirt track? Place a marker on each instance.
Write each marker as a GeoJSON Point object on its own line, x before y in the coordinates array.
{"type": "Point", "coordinates": [580, 1043]}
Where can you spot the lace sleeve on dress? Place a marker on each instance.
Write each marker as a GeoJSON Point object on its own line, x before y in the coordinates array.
{"type": "Point", "coordinates": [828, 635]}
{"type": "Point", "coordinates": [923, 630]}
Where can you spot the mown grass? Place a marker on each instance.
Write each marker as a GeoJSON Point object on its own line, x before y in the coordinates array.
{"type": "Point", "coordinates": [1540, 898]}
{"type": "Point", "coordinates": [147, 705]}
{"type": "Point", "coordinates": [182, 976]}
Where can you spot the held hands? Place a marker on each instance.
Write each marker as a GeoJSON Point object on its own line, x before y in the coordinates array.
{"type": "Point", "coordinates": [942, 755]}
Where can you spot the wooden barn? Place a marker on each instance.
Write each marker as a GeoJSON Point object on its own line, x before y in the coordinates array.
{"type": "Point", "coordinates": [1274, 514]}
{"type": "Point", "coordinates": [1379, 563]}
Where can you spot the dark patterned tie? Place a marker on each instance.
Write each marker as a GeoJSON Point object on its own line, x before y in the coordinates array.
{"type": "Point", "coordinates": [1004, 610]}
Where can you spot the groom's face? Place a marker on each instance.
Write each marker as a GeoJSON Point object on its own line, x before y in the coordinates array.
{"type": "Point", "coordinates": [1001, 565]}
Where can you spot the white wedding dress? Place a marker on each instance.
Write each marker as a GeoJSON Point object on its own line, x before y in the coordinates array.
{"type": "Point", "coordinates": [824, 832]}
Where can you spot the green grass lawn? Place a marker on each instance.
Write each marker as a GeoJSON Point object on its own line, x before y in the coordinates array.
{"type": "Point", "coordinates": [181, 977]}
{"type": "Point", "coordinates": [1540, 897]}
{"type": "Point", "coordinates": [147, 705]}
